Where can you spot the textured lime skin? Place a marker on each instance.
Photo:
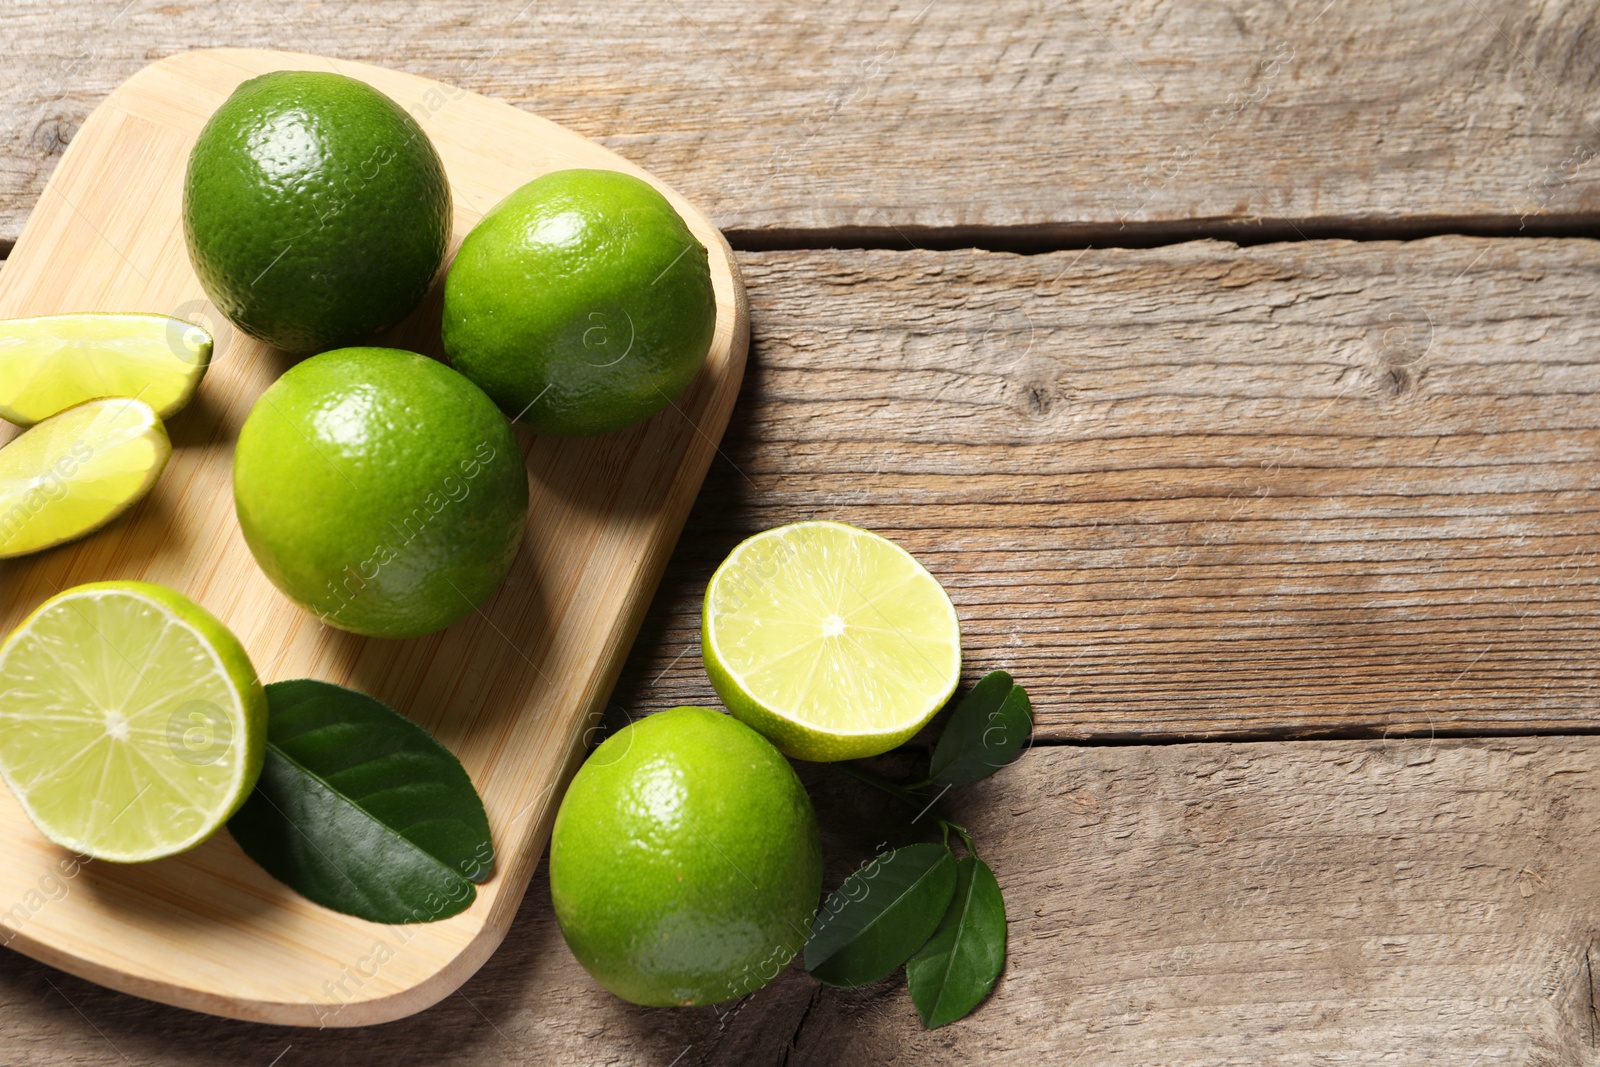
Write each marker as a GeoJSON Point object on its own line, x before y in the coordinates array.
{"type": "Point", "coordinates": [581, 303]}
{"type": "Point", "coordinates": [316, 210]}
{"type": "Point", "coordinates": [241, 674]}
{"type": "Point", "coordinates": [685, 864]}
{"type": "Point", "coordinates": [381, 490]}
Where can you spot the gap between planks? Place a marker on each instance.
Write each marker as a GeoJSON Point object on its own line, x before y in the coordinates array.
{"type": "Point", "coordinates": [1045, 238]}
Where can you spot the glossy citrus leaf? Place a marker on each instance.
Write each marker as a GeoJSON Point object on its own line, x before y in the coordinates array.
{"type": "Point", "coordinates": [881, 915]}
{"type": "Point", "coordinates": [987, 730]}
{"type": "Point", "coordinates": [952, 973]}
{"type": "Point", "coordinates": [361, 810]}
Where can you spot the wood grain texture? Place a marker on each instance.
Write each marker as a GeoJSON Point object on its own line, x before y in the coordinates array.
{"type": "Point", "coordinates": [1301, 903]}
{"type": "Point", "coordinates": [910, 118]}
{"type": "Point", "coordinates": [1321, 488]}
{"type": "Point", "coordinates": [510, 689]}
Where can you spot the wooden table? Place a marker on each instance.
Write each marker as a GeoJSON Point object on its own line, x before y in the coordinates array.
{"type": "Point", "coordinates": [1235, 367]}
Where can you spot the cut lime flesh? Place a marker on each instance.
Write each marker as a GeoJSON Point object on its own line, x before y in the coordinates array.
{"type": "Point", "coordinates": [834, 642]}
{"type": "Point", "coordinates": [131, 722]}
{"type": "Point", "coordinates": [53, 362]}
{"type": "Point", "coordinates": [76, 471]}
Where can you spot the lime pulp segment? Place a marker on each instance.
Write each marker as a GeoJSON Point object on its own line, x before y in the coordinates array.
{"type": "Point", "coordinates": [131, 724]}
{"type": "Point", "coordinates": [53, 362]}
{"type": "Point", "coordinates": [833, 641]}
{"type": "Point", "coordinates": [76, 471]}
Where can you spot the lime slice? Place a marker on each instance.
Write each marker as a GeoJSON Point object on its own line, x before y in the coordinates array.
{"type": "Point", "coordinates": [131, 722]}
{"type": "Point", "coordinates": [832, 641]}
{"type": "Point", "coordinates": [49, 364]}
{"type": "Point", "coordinates": [76, 471]}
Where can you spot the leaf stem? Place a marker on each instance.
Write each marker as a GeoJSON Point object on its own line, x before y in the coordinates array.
{"type": "Point", "coordinates": [894, 790]}
{"type": "Point", "coordinates": [961, 832]}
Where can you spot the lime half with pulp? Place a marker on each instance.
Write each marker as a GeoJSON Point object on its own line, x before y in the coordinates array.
{"type": "Point", "coordinates": [131, 722]}
{"type": "Point", "coordinates": [833, 642]}
{"type": "Point", "coordinates": [76, 471]}
{"type": "Point", "coordinates": [50, 363]}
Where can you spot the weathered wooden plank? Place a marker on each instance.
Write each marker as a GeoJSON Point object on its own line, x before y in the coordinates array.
{"type": "Point", "coordinates": [1299, 489]}
{"type": "Point", "coordinates": [890, 119]}
{"type": "Point", "coordinates": [1409, 902]}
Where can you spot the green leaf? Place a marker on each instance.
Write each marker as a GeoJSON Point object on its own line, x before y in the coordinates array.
{"type": "Point", "coordinates": [359, 809]}
{"type": "Point", "coordinates": [985, 732]}
{"type": "Point", "coordinates": [881, 915]}
{"type": "Point", "coordinates": [954, 971]}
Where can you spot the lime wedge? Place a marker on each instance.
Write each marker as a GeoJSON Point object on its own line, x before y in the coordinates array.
{"type": "Point", "coordinates": [49, 364]}
{"type": "Point", "coordinates": [76, 471]}
{"type": "Point", "coordinates": [131, 722]}
{"type": "Point", "coordinates": [833, 642]}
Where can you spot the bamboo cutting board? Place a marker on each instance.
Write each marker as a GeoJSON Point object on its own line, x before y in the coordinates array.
{"type": "Point", "coordinates": [511, 689]}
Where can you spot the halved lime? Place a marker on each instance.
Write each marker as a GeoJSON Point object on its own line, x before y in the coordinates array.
{"type": "Point", "coordinates": [51, 363]}
{"type": "Point", "coordinates": [833, 642]}
{"type": "Point", "coordinates": [131, 722]}
{"type": "Point", "coordinates": [76, 471]}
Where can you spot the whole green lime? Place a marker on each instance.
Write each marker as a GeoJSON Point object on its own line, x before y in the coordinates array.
{"type": "Point", "coordinates": [316, 210]}
{"type": "Point", "coordinates": [381, 490]}
{"type": "Point", "coordinates": [685, 864]}
{"type": "Point", "coordinates": [581, 303]}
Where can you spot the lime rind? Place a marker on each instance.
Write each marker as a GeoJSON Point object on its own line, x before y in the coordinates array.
{"type": "Point", "coordinates": [381, 490]}
{"type": "Point", "coordinates": [132, 724]}
{"type": "Point", "coordinates": [834, 642]}
{"type": "Point", "coordinates": [316, 211]}
{"type": "Point", "coordinates": [54, 362]}
{"type": "Point", "coordinates": [76, 471]}
{"type": "Point", "coordinates": [685, 860]}
{"type": "Point", "coordinates": [582, 303]}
